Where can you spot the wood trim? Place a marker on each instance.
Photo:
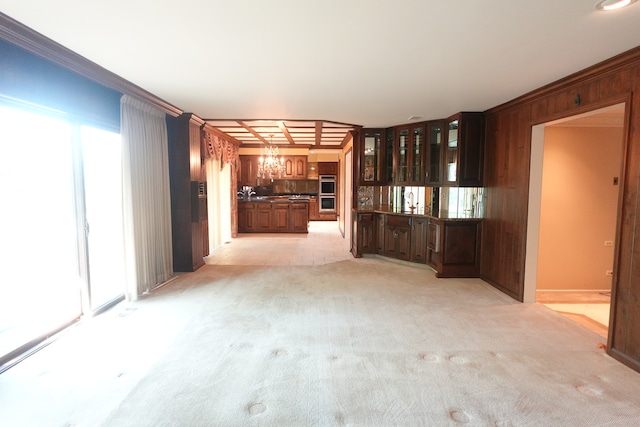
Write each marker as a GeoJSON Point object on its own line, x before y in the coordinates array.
{"type": "Point", "coordinates": [208, 128]}
{"type": "Point", "coordinates": [253, 132]}
{"type": "Point", "coordinates": [286, 133]}
{"type": "Point", "coordinates": [34, 42]}
{"type": "Point", "coordinates": [318, 133]}
{"type": "Point", "coordinates": [617, 62]}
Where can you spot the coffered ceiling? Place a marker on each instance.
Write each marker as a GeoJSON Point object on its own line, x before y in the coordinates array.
{"type": "Point", "coordinates": [315, 69]}
{"type": "Point", "coordinates": [315, 134]}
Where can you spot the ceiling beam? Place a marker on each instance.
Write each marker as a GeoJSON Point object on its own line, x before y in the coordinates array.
{"type": "Point", "coordinates": [253, 132]}
{"type": "Point", "coordinates": [318, 133]}
{"type": "Point", "coordinates": [286, 133]}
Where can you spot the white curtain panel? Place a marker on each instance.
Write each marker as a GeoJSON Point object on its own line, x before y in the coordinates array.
{"type": "Point", "coordinates": [218, 203]}
{"type": "Point", "coordinates": [147, 203]}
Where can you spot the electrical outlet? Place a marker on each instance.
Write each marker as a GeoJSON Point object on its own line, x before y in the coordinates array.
{"type": "Point", "coordinates": [608, 243]}
{"type": "Point", "coordinates": [608, 273]}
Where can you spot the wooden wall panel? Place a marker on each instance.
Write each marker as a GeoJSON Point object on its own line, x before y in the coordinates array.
{"type": "Point", "coordinates": [508, 155]}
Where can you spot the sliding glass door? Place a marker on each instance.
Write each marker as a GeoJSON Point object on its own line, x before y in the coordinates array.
{"type": "Point", "coordinates": [40, 287]}
{"type": "Point", "coordinates": [61, 236]}
{"type": "Point", "coordinates": [102, 171]}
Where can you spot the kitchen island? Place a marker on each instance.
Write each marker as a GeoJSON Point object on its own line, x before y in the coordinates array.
{"type": "Point", "coordinates": [273, 214]}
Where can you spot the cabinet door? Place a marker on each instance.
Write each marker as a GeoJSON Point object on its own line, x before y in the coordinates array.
{"type": "Point", "coordinates": [289, 167]}
{"type": "Point", "coordinates": [451, 152]}
{"type": "Point", "coordinates": [248, 173]}
{"type": "Point", "coordinates": [299, 219]}
{"type": "Point", "coordinates": [246, 217]}
{"type": "Point", "coordinates": [435, 133]}
{"type": "Point", "coordinates": [380, 235]}
{"type": "Point", "coordinates": [300, 167]}
{"type": "Point", "coordinates": [371, 155]}
{"type": "Point", "coordinates": [328, 168]}
{"type": "Point", "coordinates": [390, 155]}
{"type": "Point", "coordinates": [263, 217]}
{"type": "Point", "coordinates": [417, 156]}
{"type": "Point", "coordinates": [419, 231]}
{"type": "Point", "coordinates": [403, 154]}
{"type": "Point", "coordinates": [366, 234]}
{"type": "Point", "coordinates": [464, 154]}
{"type": "Point", "coordinates": [280, 217]}
{"type": "Point", "coordinates": [313, 209]}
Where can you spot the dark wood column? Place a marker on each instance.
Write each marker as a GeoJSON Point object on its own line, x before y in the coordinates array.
{"type": "Point", "coordinates": [188, 192]}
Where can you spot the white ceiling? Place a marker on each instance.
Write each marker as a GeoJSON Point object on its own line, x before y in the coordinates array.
{"type": "Point", "coordinates": [371, 63]}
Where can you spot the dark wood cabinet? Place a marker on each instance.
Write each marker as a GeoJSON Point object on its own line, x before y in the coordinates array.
{"type": "Point", "coordinates": [248, 170]}
{"type": "Point", "coordinates": [313, 209]}
{"type": "Point", "coordinates": [328, 168]}
{"type": "Point", "coordinates": [246, 217]}
{"type": "Point", "coordinates": [371, 153]}
{"type": "Point", "coordinates": [397, 232]}
{"type": "Point", "coordinates": [363, 234]}
{"type": "Point", "coordinates": [280, 217]}
{"type": "Point", "coordinates": [295, 167]}
{"type": "Point", "coordinates": [464, 150]}
{"type": "Point", "coordinates": [265, 217]}
{"type": "Point", "coordinates": [380, 236]}
{"type": "Point", "coordinates": [264, 221]}
{"type": "Point", "coordinates": [410, 155]}
{"type": "Point", "coordinates": [419, 236]}
{"type": "Point", "coordinates": [453, 247]}
{"type": "Point", "coordinates": [299, 217]}
{"type": "Point", "coordinates": [435, 137]}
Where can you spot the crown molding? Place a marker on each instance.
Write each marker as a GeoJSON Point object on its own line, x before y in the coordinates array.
{"type": "Point", "coordinates": [36, 43]}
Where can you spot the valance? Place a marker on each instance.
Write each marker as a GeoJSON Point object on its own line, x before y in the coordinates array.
{"type": "Point", "coordinates": [219, 149]}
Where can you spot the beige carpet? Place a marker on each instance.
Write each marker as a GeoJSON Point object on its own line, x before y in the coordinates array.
{"type": "Point", "coordinates": [363, 342]}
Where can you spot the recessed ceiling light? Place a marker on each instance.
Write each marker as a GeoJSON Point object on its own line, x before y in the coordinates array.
{"type": "Point", "coordinates": [613, 4]}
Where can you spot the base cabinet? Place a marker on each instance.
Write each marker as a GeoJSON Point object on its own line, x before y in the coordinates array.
{"type": "Point", "coordinates": [397, 241]}
{"type": "Point", "coordinates": [419, 235]}
{"type": "Point", "coordinates": [246, 217]}
{"type": "Point", "coordinates": [453, 247]}
{"type": "Point", "coordinates": [363, 234]}
{"type": "Point", "coordinates": [313, 210]}
{"type": "Point", "coordinates": [273, 217]}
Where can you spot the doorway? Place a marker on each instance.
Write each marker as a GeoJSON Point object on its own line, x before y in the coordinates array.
{"type": "Point", "coordinates": [576, 164]}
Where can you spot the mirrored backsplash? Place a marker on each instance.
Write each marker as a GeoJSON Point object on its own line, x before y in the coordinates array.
{"type": "Point", "coordinates": [455, 201]}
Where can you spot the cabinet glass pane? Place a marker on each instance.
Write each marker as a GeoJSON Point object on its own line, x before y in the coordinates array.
{"type": "Point", "coordinates": [371, 157]}
{"type": "Point", "coordinates": [403, 156]}
{"type": "Point", "coordinates": [391, 136]}
{"type": "Point", "coordinates": [435, 147]}
{"type": "Point", "coordinates": [417, 154]}
{"type": "Point", "coordinates": [452, 152]}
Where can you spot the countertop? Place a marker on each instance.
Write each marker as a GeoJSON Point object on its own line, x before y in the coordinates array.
{"type": "Point", "coordinates": [275, 199]}
{"type": "Point", "coordinates": [442, 215]}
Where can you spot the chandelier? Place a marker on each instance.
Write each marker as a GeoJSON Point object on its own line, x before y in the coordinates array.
{"type": "Point", "coordinates": [269, 165]}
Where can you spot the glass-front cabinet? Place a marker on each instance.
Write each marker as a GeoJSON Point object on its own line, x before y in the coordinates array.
{"type": "Point", "coordinates": [464, 150]}
{"type": "Point", "coordinates": [372, 157]}
{"type": "Point", "coordinates": [402, 155]}
{"type": "Point", "coordinates": [410, 154]}
{"type": "Point", "coordinates": [435, 132]}
{"type": "Point", "coordinates": [390, 138]}
{"type": "Point", "coordinates": [451, 150]}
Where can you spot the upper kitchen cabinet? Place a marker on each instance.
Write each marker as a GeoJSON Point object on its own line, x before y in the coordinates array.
{"type": "Point", "coordinates": [410, 155]}
{"type": "Point", "coordinates": [435, 136]}
{"type": "Point", "coordinates": [248, 170]}
{"type": "Point", "coordinates": [372, 157]}
{"type": "Point", "coordinates": [327, 168]}
{"type": "Point", "coordinates": [295, 167]}
{"type": "Point", "coordinates": [463, 151]}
